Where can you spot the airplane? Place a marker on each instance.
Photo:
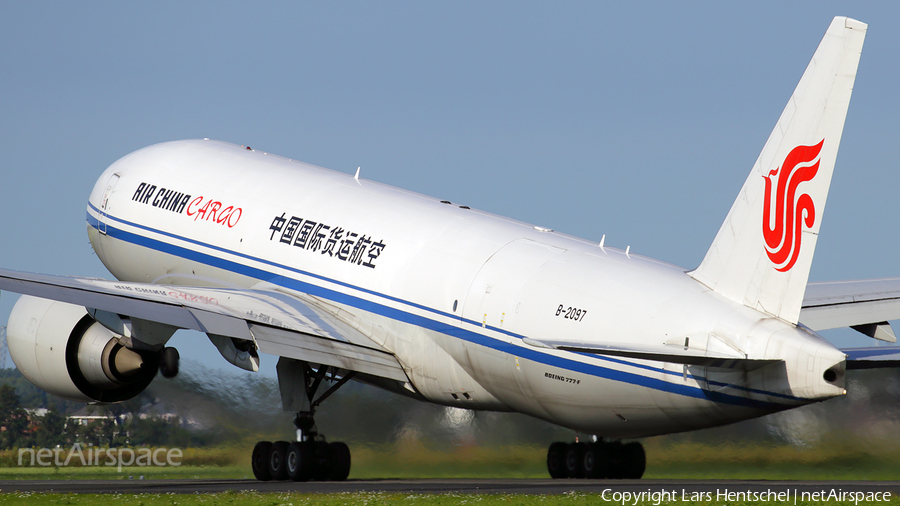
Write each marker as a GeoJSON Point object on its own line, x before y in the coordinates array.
{"type": "Point", "coordinates": [344, 278]}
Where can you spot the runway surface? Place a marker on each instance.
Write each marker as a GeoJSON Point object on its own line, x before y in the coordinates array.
{"type": "Point", "coordinates": [682, 488]}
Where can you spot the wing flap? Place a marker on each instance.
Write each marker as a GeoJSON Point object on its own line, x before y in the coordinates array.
{"type": "Point", "coordinates": [329, 352]}
{"type": "Point", "coordinates": [220, 324]}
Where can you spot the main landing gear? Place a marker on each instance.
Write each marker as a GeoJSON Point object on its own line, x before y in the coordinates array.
{"type": "Point", "coordinates": [301, 461]}
{"type": "Point", "coordinates": [310, 457]}
{"type": "Point", "coordinates": [600, 459]}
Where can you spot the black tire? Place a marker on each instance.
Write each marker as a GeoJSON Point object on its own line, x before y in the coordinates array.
{"type": "Point", "coordinates": [338, 461]}
{"type": "Point", "coordinates": [168, 362]}
{"type": "Point", "coordinates": [278, 460]}
{"type": "Point", "coordinates": [634, 460]}
{"type": "Point", "coordinates": [617, 468]}
{"type": "Point", "coordinates": [321, 452]}
{"type": "Point", "coordinates": [574, 462]}
{"type": "Point", "coordinates": [298, 461]}
{"type": "Point", "coordinates": [595, 461]}
{"type": "Point", "coordinates": [260, 461]}
{"type": "Point", "coordinates": [555, 457]}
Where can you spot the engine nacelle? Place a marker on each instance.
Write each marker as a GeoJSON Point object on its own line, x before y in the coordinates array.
{"type": "Point", "coordinates": [62, 350]}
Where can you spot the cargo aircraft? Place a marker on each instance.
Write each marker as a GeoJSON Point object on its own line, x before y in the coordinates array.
{"type": "Point", "coordinates": [347, 279]}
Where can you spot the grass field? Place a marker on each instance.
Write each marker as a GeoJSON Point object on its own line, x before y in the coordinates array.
{"type": "Point", "coordinates": [356, 499]}
{"type": "Point", "coordinates": [833, 460]}
{"type": "Point", "coordinates": [686, 460]}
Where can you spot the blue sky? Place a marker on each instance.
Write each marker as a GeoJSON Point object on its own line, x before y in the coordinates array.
{"type": "Point", "coordinates": [637, 120]}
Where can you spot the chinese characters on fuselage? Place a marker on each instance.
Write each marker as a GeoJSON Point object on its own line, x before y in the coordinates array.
{"type": "Point", "coordinates": [331, 240]}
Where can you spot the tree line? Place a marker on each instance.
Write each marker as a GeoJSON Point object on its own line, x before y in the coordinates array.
{"type": "Point", "coordinates": [114, 426]}
{"type": "Point", "coordinates": [216, 407]}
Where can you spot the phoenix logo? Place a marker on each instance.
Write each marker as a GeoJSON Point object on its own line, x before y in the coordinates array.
{"type": "Point", "coordinates": [784, 212]}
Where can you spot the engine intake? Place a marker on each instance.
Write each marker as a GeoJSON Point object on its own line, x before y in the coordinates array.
{"type": "Point", "coordinates": [63, 350]}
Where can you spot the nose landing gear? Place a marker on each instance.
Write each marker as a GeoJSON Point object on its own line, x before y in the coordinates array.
{"type": "Point", "coordinates": [310, 457]}
{"type": "Point", "coordinates": [600, 459]}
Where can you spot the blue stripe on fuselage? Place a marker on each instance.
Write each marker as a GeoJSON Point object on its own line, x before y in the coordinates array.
{"type": "Point", "coordinates": [424, 322]}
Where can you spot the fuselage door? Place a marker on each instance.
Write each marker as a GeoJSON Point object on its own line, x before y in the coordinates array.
{"type": "Point", "coordinates": [104, 204]}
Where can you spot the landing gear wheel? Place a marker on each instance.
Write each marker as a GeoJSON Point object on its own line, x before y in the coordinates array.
{"type": "Point", "coordinates": [634, 460]}
{"type": "Point", "coordinates": [260, 461]}
{"type": "Point", "coordinates": [338, 461]}
{"type": "Point", "coordinates": [574, 462]}
{"type": "Point", "coordinates": [278, 460]}
{"type": "Point", "coordinates": [616, 460]}
{"type": "Point", "coordinates": [321, 454]}
{"type": "Point", "coordinates": [299, 462]}
{"type": "Point", "coordinates": [595, 461]}
{"type": "Point", "coordinates": [555, 457]}
{"type": "Point", "coordinates": [168, 362]}
{"type": "Point", "coordinates": [310, 457]}
{"type": "Point", "coordinates": [602, 459]}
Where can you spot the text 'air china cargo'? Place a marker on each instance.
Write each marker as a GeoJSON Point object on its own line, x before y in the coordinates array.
{"type": "Point", "coordinates": [355, 280]}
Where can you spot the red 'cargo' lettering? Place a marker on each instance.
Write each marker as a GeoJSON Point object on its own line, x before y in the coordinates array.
{"type": "Point", "coordinates": [211, 210]}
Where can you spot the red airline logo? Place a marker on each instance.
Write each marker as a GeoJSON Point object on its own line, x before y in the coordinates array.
{"type": "Point", "coordinates": [783, 224]}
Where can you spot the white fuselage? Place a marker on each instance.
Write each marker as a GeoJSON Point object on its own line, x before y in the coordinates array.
{"type": "Point", "coordinates": [454, 293]}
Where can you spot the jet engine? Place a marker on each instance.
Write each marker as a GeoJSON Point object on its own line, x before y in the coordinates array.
{"type": "Point", "coordinates": [64, 351]}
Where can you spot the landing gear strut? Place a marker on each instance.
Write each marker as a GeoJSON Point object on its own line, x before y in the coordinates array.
{"type": "Point", "coordinates": [600, 459]}
{"type": "Point", "coordinates": [310, 457]}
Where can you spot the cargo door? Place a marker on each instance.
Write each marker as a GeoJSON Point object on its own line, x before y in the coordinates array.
{"type": "Point", "coordinates": [493, 297]}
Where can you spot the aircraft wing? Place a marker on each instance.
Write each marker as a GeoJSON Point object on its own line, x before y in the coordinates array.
{"type": "Point", "coordinates": [279, 323]}
{"type": "Point", "coordinates": [664, 353]}
{"type": "Point", "coordinates": [864, 305]}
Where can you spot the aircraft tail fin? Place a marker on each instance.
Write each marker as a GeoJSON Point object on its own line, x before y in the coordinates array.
{"type": "Point", "coordinates": [763, 252]}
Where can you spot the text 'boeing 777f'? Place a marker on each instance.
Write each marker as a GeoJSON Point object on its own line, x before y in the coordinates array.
{"type": "Point", "coordinates": [352, 279]}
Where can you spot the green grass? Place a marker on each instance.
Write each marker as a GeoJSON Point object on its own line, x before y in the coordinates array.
{"type": "Point", "coordinates": [354, 499]}
{"type": "Point", "coordinates": [111, 473]}
{"type": "Point", "coordinates": [196, 463]}
{"type": "Point", "coordinates": [828, 461]}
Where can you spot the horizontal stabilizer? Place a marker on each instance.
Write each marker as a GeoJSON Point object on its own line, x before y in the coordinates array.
{"type": "Point", "coordinates": [864, 305]}
{"type": "Point", "coordinates": [873, 358]}
{"type": "Point", "coordinates": [666, 353]}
